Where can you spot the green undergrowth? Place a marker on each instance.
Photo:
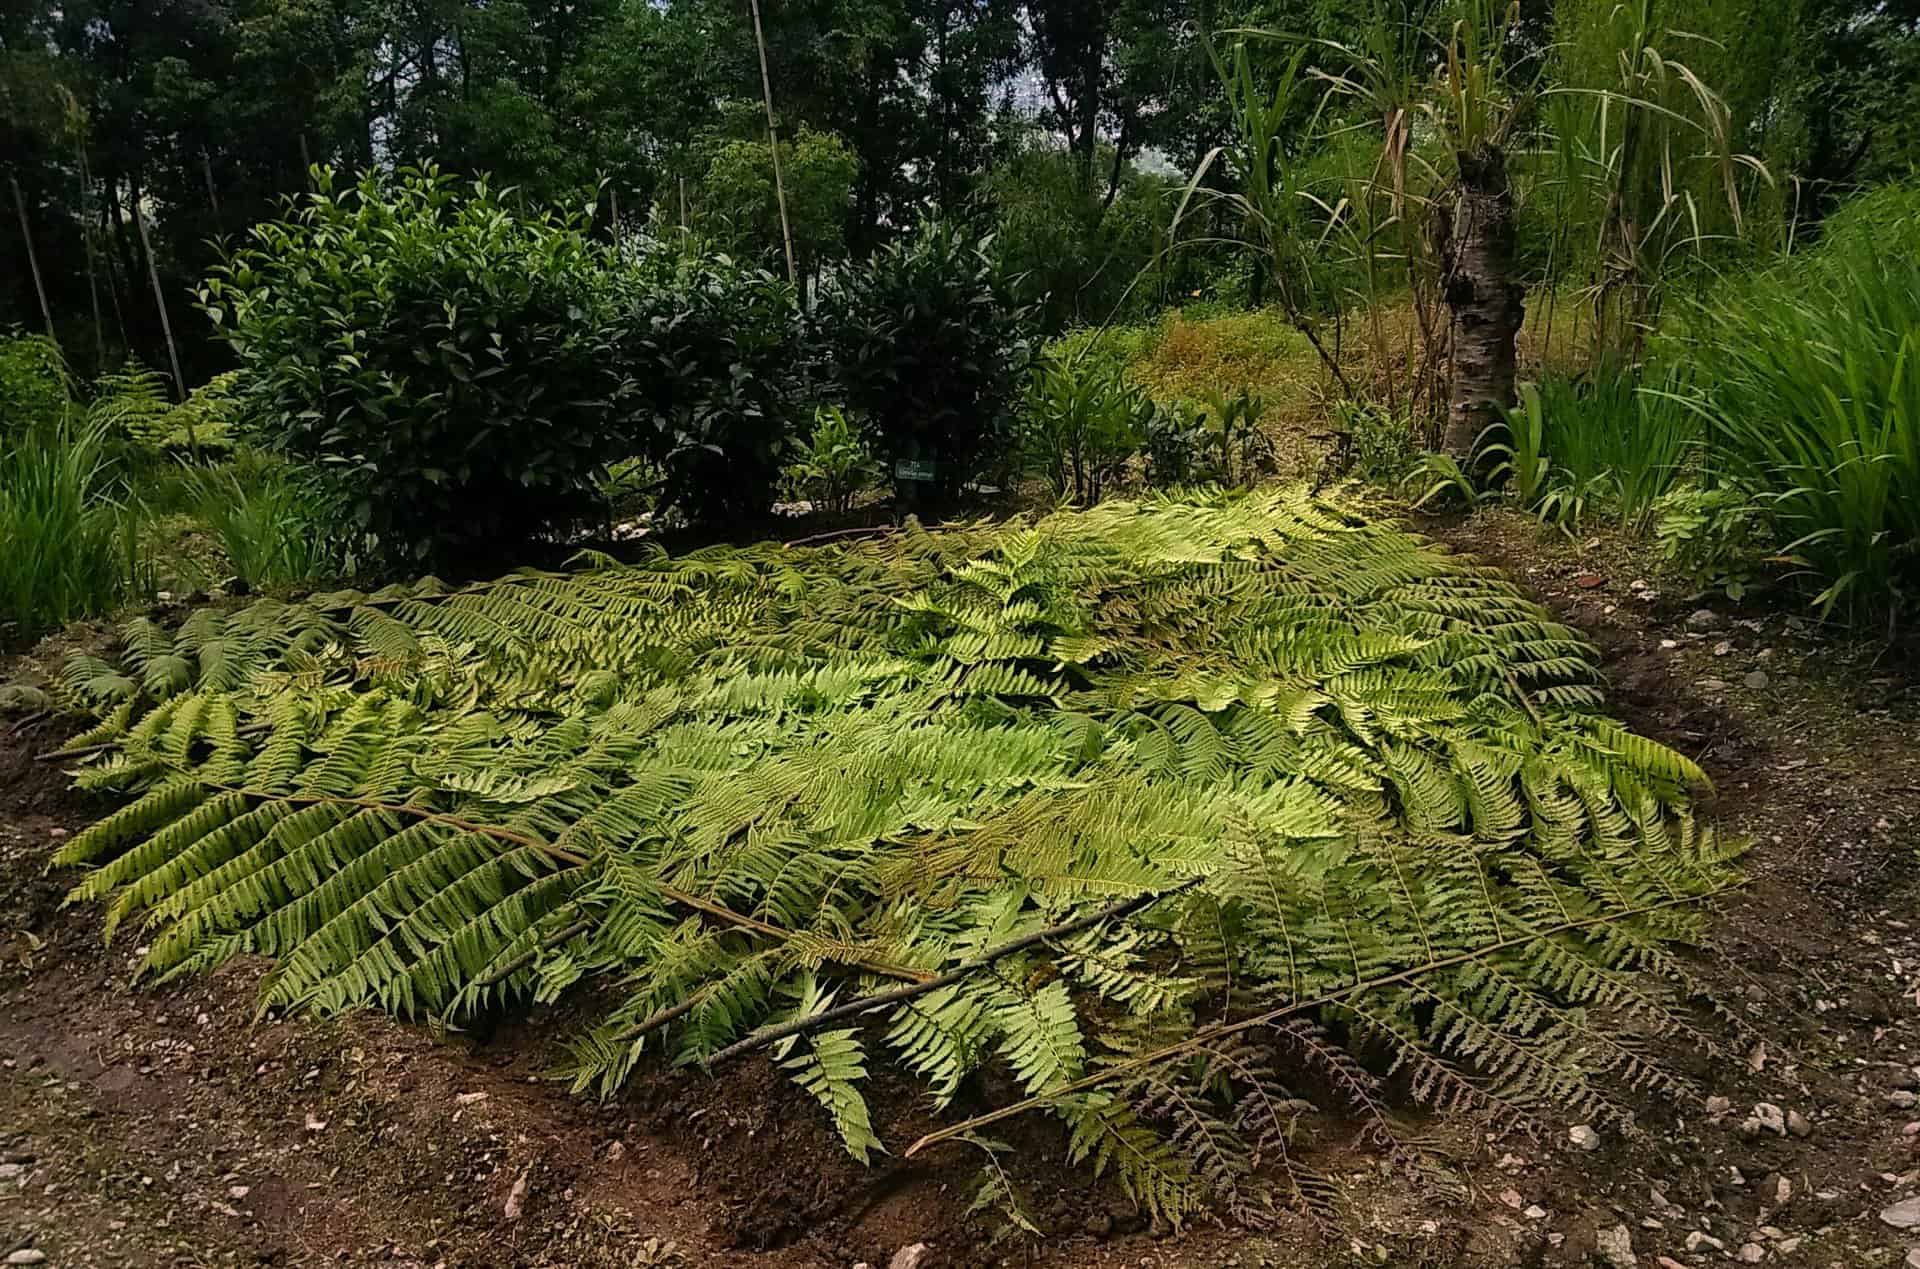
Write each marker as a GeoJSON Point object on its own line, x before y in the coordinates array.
{"type": "Point", "coordinates": [1165, 808]}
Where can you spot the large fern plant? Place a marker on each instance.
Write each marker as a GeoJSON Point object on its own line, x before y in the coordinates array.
{"type": "Point", "coordinates": [1152, 804]}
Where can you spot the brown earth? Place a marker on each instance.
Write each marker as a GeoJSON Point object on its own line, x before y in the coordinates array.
{"type": "Point", "coordinates": [164, 1125]}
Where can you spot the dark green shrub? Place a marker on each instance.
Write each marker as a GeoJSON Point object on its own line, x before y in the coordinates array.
{"type": "Point", "coordinates": [444, 361]}
{"type": "Point", "coordinates": [926, 342]}
{"type": "Point", "coordinates": [704, 356]}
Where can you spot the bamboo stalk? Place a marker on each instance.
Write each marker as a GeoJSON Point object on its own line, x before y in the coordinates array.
{"type": "Point", "coordinates": [773, 145]}
{"type": "Point", "coordinates": [166, 322]}
{"type": "Point", "coordinates": [33, 258]}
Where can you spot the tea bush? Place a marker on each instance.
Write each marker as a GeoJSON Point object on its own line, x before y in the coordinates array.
{"type": "Point", "coordinates": [926, 342]}
{"type": "Point", "coordinates": [702, 354]}
{"type": "Point", "coordinates": [441, 359]}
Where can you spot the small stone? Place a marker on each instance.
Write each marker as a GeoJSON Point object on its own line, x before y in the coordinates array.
{"type": "Point", "coordinates": [1776, 1189]}
{"type": "Point", "coordinates": [27, 1256]}
{"type": "Point", "coordinates": [1701, 620]}
{"type": "Point", "coordinates": [912, 1256]}
{"type": "Point", "coordinates": [1615, 1246]}
{"type": "Point", "coordinates": [1757, 680]}
{"type": "Point", "coordinates": [1902, 1099]}
{"type": "Point", "coordinates": [1512, 1199]}
{"type": "Point", "coordinates": [1771, 1117]}
{"type": "Point", "coordinates": [468, 1099]}
{"type": "Point", "coordinates": [1699, 1238]}
{"type": "Point", "coordinates": [1535, 1213]}
{"type": "Point", "coordinates": [1718, 1106]}
{"type": "Point", "coordinates": [517, 1197]}
{"type": "Point", "coordinates": [1584, 1137]}
{"type": "Point", "coordinates": [1750, 1127]}
{"type": "Point", "coordinates": [1724, 648]}
{"type": "Point", "coordinates": [1711, 685]}
{"type": "Point", "coordinates": [9, 1171]}
{"type": "Point", "coordinates": [1798, 1124]}
{"type": "Point", "coordinates": [1913, 1259]}
{"type": "Point", "coordinates": [1668, 1262]}
{"type": "Point", "coordinates": [1789, 1245]}
{"type": "Point", "coordinates": [238, 1191]}
{"type": "Point", "coordinates": [1750, 1254]}
{"type": "Point", "coordinates": [1902, 1215]}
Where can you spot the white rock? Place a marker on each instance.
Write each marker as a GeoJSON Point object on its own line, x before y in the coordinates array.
{"type": "Point", "coordinates": [1615, 1246]}
{"type": "Point", "coordinates": [1798, 1125]}
{"type": "Point", "coordinates": [27, 1256]}
{"type": "Point", "coordinates": [1698, 1239]}
{"type": "Point", "coordinates": [1718, 1106]}
{"type": "Point", "coordinates": [1583, 1136]}
{"type": "Point", "coordinates": [1772, 1118]}
{"type": "Point", "coordinates": [1902, 1215]}
{"type": "Point", "coordinates": [1913, 1259]}
{"type": "Point", "coordinates": [1535, 1212]}
{"type": "Point", "coordinates": [912, 1256]}
{"type": "Point", "coordinates": [1750, 1254]}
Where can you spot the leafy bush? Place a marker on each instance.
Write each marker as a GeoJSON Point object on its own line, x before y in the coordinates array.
{"type": "Point", "coordinates": [442, 359]}
{"type": "Point", "coordinates": [1810, 376]}
{"type": "Point", "coordinates": [1714, 537]}
{"type": "Point", "coordinates": [34, 387]}
{"type": "Point", "coordinates": [833, 464]}
{"type": "Point", "coordinates": [71, 541]}
{"type": "Point", "coordinates": [925, 342]}
{"type": "Point", "coordinates": [1378, 443]}
{"type": "Point", "coordinates": [739, 210]}
{"type": "Point", "coordinates": [1083, 423]}
{"type": "Point", "coordinates": [700, 376]}
{"type": "Point", "coordinates": [1071, 254]}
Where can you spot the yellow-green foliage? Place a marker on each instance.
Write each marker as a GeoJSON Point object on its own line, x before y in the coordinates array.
{"type": "Point", "coordinates": [1257, 350]}
{"type": "Point", "coordinates": [1366, 782]}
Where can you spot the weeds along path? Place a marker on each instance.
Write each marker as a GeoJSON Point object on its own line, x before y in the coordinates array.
{"type": "Point", "coordinates": [1138, 781]}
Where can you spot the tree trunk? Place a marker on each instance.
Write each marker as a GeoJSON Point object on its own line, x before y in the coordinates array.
{"type": "Point", "coordinates": [1486, 301]}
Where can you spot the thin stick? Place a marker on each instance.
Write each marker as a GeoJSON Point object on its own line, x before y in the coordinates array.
{"type": "Point", "coordinates": [1271, 1016]}
{"type": "Point", "coordinates": [773, 147]}
{"type": "Point", "coordinates": [880, 1000]}
{"type": "Point", "coordinates": [166, 322]}
{"type": "Point", "coordinates": [33, 258]}
{"type": "Point", "coordinates": [527, 957]}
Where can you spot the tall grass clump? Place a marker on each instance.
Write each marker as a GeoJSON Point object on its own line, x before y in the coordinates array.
{"type": "Point", "coordinates": [71, 545]}
{"type": "Point", "coordinates": [273, 522]}
{"type": "Point", "coordinates": [1811, 396]}
{"type": "Point", "coordinates": [1624, 439]}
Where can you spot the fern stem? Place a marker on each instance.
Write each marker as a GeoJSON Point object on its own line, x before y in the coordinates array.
{"type": "Point", "coordinates": [880, 1000]}
{"type": "Point", "coordinates": [1207, 1035]}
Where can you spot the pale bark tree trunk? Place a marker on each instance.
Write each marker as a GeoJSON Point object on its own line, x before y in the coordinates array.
{"type": "Point", "coordinates": [1486, 301]}
{"type": "Point", "coordinates": [33, 259]}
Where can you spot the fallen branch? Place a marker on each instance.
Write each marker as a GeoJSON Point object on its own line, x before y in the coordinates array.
{"type": "Point", "coordinates": [880, 1000]}
{"type": "Point", "coordinates": [1207, 1035]}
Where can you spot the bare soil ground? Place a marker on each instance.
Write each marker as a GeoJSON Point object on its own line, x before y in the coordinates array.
{"type": "Point", "coordinates": [166, 1126]}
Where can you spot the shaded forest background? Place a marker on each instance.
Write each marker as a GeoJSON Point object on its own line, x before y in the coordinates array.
{"type": "Point", "coordinates": [1068, 127]}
